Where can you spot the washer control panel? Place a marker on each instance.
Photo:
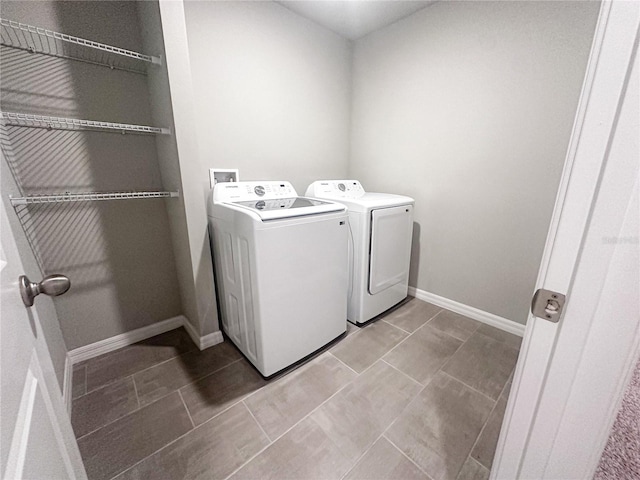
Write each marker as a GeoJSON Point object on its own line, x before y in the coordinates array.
{"type": "Point", "coordinates": [336, 189]}
{"type": "Point", "coordinates": [247, 191]}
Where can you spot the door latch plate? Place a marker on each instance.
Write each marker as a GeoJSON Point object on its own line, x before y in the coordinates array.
{"type": "Point", "coordinates": [548, 305]}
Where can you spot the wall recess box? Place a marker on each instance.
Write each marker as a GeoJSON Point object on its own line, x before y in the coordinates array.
{"type": "Point", "coordinates": [223, 175]}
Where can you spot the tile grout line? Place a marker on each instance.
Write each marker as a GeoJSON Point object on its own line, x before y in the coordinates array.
{"type": "Point", "coordinates": [401, 341]}
{"type": "Point", "coordinates": [114, 352]}
{"type": "Point", "coordinates": [116, 419]}
{"type": "Point", "coordinates": [140, 406]}
{"type": "Point", "coordinates": [451, 335]}
{"type": "Point", "coordinates": [257, 422]}
{"type": "Point", "coordinates": [357, 461]}
{"type": "Point", "coordinates": [184, 404]}
{"type": "Point", "coordinates": [425, 323]}
{"type": "Point", "coordinates": [454, 353]}
{"type": "Point", "coordinates": [469, 457]}
{"type": "Point", "coordinates": [401, 372]}
{"type": "Point", "coordinates": [405, 455]}
{"type": "Point", "coordinates": [470, 387]}
{"type": "Point", "coordinates": [396, 326]}
{"type": "Point", "coordinates": [485, 425]}
{"type": "Point", "coordinates": [343, 363]}
{"type": "Point", "coordinates": [288, 430]}
{"type": "Point", "coordinates": [308, 415]}
{"type": "Point", "coordinates": [181, 436]}
{"type": "Point", "coordinates": [505, 344]}
{"type": "Point", "coordinates": [397, 344]}
{"type": "Point", "coordinates": [408, 405]}
{"type": "Point", "coordinates": [209, 374]}
{"type": "Point", "coordinates": [135, 389]}
{"type": "Point", "coordinates": [447, 333]}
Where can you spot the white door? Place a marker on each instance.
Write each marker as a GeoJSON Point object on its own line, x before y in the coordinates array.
{"type": "Point", "coordinates": [37, 440]}
{"type": "Point", "coordinates": [391, 232]}
{"type": "Point", "coordinates": [570, 375]}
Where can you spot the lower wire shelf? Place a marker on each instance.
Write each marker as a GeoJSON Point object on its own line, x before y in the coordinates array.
{"type": "Point", "coordinates": [88, 197]}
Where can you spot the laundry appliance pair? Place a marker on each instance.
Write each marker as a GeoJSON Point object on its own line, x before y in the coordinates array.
{"type": "Point", "coordinates": [289, 269]}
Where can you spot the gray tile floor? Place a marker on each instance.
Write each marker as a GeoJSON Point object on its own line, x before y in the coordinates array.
{"type": "Point", "coordinates": [418, 394]}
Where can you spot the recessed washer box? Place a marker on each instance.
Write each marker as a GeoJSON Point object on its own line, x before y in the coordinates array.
{"type": "Point", "coordinates": [224, 175]}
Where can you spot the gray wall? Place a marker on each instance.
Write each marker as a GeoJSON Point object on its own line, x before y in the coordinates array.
{"type": "Point", "coordinates": [272, 90]}
{"type": "Point", "coordinates": [118, 254]}
{"type": "Point", "coordinates": [468, 108]}
{"type": "Point", "coordinates": [169, 164]}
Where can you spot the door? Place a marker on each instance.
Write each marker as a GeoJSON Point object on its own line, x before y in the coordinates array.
{"type": "Point", "coordinates": [571, 374]}
{"type": "Point", "coordinates": [37, 441]}
{"type": "Point", "coordinates": [391, 233]}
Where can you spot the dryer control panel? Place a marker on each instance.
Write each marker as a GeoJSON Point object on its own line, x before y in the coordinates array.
{"type": "Point", "coordinates": [247, 191]}
{"type": "Point", "coordinates": [335, 189]}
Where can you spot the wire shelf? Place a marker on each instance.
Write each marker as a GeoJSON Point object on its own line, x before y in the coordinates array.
{"type": "Point", "coordinates": [46, 42]}
{"type": "Point", "coordinates": [87, 197]}
{"type": "Point", "coordinates": [59, 123]}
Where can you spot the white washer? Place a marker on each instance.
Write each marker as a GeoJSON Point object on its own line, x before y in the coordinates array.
{"type": "Point", "coordinates": [381, 226]}
{"type": "Point", "coordinates": [281, 270]}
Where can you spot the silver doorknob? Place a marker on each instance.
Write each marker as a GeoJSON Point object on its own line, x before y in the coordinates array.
{"type": "Point", "coordinates": [52, 285]}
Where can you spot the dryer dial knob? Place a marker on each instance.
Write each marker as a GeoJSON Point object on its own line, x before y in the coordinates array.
{"type": "Point", "coordinates": [259, 190]}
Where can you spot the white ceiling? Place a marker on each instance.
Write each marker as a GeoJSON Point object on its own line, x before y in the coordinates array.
{"type": "Point", "coordinates": [354, 18]}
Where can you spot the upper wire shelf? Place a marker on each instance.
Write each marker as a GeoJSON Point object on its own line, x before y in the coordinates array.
{"type": "Point", "coordinates": [55, 44]}
{"type": "Point", "coordinates": [87, 197]}
{"type": "Point", "coordinates": [59, 123]}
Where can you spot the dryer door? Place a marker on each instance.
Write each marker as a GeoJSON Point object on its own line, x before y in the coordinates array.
{"type": "Point", "coordinates": [391, 232]}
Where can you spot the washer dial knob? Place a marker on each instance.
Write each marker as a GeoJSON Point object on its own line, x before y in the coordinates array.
{"type": "Point", "coordinates": [259, 190]}
{"type": "Point", "coordinates": [341, 187]}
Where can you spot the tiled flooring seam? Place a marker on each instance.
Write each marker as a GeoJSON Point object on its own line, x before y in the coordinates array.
{"type": "Point", "coordinates": [496, 340]}
{"type": "Point", "coordinates": [135, 389]}
{"type": "Point", "coordinates": [400, 450]}
{"type": "Point", "coordinates": [115, 419]}
{"type": "Point", "coordinates": [468, 386]}
{"type": "Point", "coordinates": [298, 422]}
{"type": "Point", "coordinates": [401, 329]}
{"type": "Point", "coordinates": [487, 421]}
{"type": "Point", "coordinates": [258, 423]}
{"type": "Point", "coordinates": [193, 425]}
{"type": "Point", "coordinates": [420, 328]}
{"type": "Point", "coordinates": [135, 373]}
{"type": "Point", "coordinates": [351, 369]}
{"type": "Point", "coordinates": [396, 419]}
{"type": "Point", "coordinates": [140, 407]}
{"type": "Point", "coordinates": [402, 373]}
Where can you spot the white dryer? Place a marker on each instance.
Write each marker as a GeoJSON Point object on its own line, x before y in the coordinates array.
{"type": "Point", "coordinates": [381, 227]}
{"type": "Point", "coordinates": [281, 270]}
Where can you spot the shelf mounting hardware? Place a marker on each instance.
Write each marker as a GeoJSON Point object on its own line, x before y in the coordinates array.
{"type": "Point", "coordinates": [87, 197]}
{"type": "Point", "coordinates": [47, 42]}
{"type": "Point", "coordinates": [59, 123]}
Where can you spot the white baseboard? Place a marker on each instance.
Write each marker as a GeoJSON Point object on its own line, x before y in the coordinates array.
{"type": "Point", "coordinates": [205, 341]}
{"type": "Point", "coordinates": [211, 339]}
{"type": "Point", "coordinates": [107, 345]}
{"type": "Point", "coordinates": [67, 384]}
{"type": "Point", "coordinates": [471, 312]}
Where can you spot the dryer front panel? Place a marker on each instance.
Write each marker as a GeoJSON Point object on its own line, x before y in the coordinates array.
{"type": "Point", "coordinates": [391, 232]}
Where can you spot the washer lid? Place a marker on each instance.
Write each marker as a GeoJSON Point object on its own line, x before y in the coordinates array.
{"type": "Point", "coordinates": [271, 209]}
{"type": "Point", "coordinates": [351, 194]}
{"type": "Point", "coordinates": [370, 201]}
